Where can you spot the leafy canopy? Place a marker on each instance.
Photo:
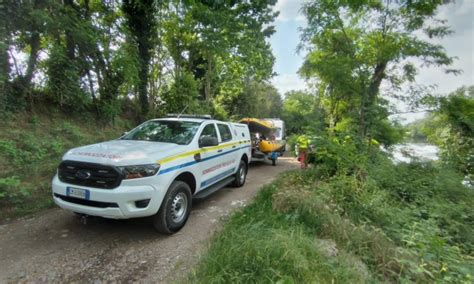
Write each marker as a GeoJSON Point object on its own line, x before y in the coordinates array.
{"type": "Point", "coordinates": [355, 46]}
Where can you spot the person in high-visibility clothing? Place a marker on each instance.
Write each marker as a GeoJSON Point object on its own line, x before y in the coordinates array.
{"type": "Point", "coordinates": [303, 147]}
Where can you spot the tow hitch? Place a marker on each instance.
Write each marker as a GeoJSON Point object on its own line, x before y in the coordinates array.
{"type": "Point", "coordinates": [83, 218]}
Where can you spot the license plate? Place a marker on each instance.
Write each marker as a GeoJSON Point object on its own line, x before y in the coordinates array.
{"type": "Point", "coordinates": [77, 193]}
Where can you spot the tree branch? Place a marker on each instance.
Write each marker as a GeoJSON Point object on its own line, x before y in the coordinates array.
{"type": "Point", "coordinates": [15, 63]}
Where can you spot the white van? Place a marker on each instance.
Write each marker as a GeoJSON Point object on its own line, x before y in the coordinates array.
{"type": "Point", "coordinates": [154, 170]}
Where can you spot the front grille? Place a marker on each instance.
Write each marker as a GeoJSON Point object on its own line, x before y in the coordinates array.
{"type": "Point", "coordinates": [91, 203]}
{"type": "Point", "coordinates": [89, 174]}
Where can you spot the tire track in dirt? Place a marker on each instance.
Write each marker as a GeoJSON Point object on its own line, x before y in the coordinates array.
{"type": "Point", "coordinates": [54, 246]}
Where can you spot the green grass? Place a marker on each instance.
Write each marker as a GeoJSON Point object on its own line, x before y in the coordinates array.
{"type": "Point", "coordinates": [403, 223]}
{"type": "Point", "coordinates": [31, 147]}
{"type": "Point", "coordinates": [260, 245]}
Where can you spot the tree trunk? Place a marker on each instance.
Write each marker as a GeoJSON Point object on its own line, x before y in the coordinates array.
{"type": "Point", "coordinates": [368, 100]}
{"type": "Point", "coordinates": [362, 114]}
{"type": "Point", "coordinates": [376, 80]}
{"type": "Point", "coordinates": [33, 58]}
{"type": "Point", "coordinates": [34, 43]}
{"type": "Point", "coordinates": [140, 15]}
{"type": "Point", "coordinates": [207, 89]}
{"type": "Point", "coordinates": [144, 54]}
{"type": "Point", "coordinates": [70, 45]}
{"type": "Point", "coordinates": [4, 58]}
{"type": "Point", "coordinates": [199, 67]}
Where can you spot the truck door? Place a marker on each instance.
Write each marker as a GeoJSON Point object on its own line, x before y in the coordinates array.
{"type": "Point", "coordinates": [229, 159]}
{"type": "Point", "coordinates": [209, 160]}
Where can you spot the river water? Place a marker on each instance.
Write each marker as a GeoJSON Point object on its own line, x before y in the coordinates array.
{"type": "Point", "coordinates": [411, 151]}
{"type": "Point", "coordinates": [406, 153]}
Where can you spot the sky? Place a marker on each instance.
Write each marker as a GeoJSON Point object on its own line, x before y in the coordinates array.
{"type": "Point", "coordinates": [460, 16]}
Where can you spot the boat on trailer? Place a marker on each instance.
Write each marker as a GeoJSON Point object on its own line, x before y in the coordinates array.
{"type": "Point", "coordinates": [265, 147]}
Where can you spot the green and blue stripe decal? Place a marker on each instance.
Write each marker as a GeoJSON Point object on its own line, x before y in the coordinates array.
{"type": "Point", "coordinates": [187, 164]}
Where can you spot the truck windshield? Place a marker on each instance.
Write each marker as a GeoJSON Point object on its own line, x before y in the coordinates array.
{"type": "Point", "coordinates": [167, 131]}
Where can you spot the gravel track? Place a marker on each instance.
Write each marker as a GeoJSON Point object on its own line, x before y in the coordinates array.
{"type": "Point", "coordinates": [54, 246]}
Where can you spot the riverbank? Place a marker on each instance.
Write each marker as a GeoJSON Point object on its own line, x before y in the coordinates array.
{"type": "Point", "coordinates": [386, 222]}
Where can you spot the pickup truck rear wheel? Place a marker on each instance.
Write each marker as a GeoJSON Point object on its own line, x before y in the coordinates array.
{"type": "Point", "coordinates": [175, 209]}
{"type": "Point", "coordinates": [241, 174]}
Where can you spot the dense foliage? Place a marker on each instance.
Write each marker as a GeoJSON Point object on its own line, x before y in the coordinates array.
{"type": "Point", "coordinates": [450, 126]}
{"type": "Point", "coordinates": [351, 218]}
{"type": "Point", "coordinates": [300, 110]}
{"type": "Point", "coordinates": [355, 47]}
{"type": "Point", "coordinates": [146, 57]}
{"type": "Point", "coordinates": [356, 216]}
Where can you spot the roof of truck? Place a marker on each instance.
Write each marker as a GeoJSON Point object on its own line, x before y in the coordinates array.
{"type": "Point", "coordinates": [182, 119]}
{"type": "Point", "coordinates": [197, 119]}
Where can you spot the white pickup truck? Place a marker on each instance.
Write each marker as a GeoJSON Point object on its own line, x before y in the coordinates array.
{"type": "Point", "coordinates": [156, 170]}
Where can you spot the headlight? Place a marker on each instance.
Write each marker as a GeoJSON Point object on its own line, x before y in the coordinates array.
{"type": "Point", "coordinates": [139, 171]}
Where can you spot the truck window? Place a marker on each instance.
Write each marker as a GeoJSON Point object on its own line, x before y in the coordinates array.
{"type": "Point", "coordinates": [209, 131]}
{"type": "Point", "coordinates": [167, 131]}
{"type": "Point", "coordinates": [224, 130]}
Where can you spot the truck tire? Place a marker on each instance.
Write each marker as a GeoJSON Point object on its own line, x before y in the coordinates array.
{"type": "Point", "coordinates": [175, 209]}
{"type": "Point", "coordinates": [241, 174]}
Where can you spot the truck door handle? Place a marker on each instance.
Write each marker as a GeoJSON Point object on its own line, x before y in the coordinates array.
{"type": "Point", "coordinates": [233, 147]}
{"type": "Point", "coordinates": [218, 151]}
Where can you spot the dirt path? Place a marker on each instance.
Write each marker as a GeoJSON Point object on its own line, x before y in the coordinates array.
{"type": "Point", "coordinates": [55, 247]}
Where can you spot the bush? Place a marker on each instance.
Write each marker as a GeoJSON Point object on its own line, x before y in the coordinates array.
{"type": "Point", "coordinates": [403, 223]}
{"type": "Point", "coordinates": [10, 190]}
{"type": "Point", "coordinates": [409, 220]}
{"type": "Point", "coordinates": [30, 150]}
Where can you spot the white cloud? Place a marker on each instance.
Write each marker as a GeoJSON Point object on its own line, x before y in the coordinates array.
{"type": "Point", "coordinates": [289, 10]}
{"type": "Point", "coordinates": [288, 82]}
{"type": "Point", "coordinates": [460, 44]}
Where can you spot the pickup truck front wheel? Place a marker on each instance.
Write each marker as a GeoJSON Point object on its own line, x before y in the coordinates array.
{"type": "Point", "coordinates": [174, 210]}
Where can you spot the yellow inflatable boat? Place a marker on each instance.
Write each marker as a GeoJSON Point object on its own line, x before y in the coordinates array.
{"type": "Point", "coordinates": [267, 146]}
{"type": "Point", "coordinates": [263, 135]}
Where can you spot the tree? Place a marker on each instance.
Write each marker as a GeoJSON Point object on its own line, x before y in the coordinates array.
{"type": "Point", "coordinates": [105, 56]}
{"type": "Point", "coordinates": [27, 22]}
{"type": "Point", "coordinates": [451, 128]}
{"type": "Point", "coordinates": [4, 58]}
{"type": "Point", "coordinates": [221, 43]}
{"type": "Point", "coordinates": [260, 100]}
{"type": "Point", "coordinates": [302, 112]}
{"type": "Point", "coordinates": [354, 46]}
{"type": "Point", "coordinates": [141, 20]}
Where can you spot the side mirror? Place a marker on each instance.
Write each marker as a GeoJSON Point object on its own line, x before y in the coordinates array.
{"type": "Point", "coordinates": [208, 141]}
